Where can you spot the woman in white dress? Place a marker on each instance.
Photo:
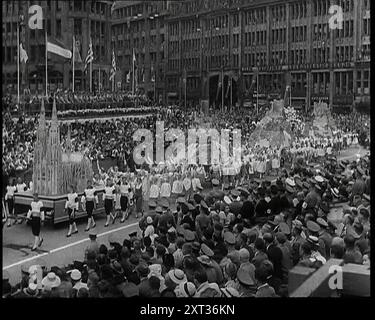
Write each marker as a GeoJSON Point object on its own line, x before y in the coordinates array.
{"type": "Point", "coordinates": [9, 201]}
{"type": "Point", "coordinates": [71, 206]}
{"type": "Point", "coordinates": [36, 216]}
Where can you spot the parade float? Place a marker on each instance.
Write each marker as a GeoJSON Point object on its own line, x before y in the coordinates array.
{"type": "Point", "coordinates": [55, 169]}
{"type": "Point", "coordinates": [274, 129]}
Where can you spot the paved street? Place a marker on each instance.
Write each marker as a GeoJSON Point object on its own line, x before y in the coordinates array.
{"type": "Point", "coordinates": [56, 248]}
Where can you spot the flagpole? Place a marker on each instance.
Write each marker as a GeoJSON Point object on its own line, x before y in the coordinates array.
{"type": "Point", "coordinates": [231, 92]}
{"type": "Point", "coordinates": [73, 63]}
{"type": "Point", "coordinates": [133, 75]}
{"type": "Point", "coordinates": [91, 67]}
{"type": "Point", "coordinates": [185, 86]}
{"type": "Point", "coordinates": [257, 91]}
{"type": "Point", "coordinates": [46, 63]}
{"type": "Point", "coordinates": [18, 64]}
{"type": "Point", "coordinates": [99, 78]}
{"type": "Point", "coordinates": [222, 88]}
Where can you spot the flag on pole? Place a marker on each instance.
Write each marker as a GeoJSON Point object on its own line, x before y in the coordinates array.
{"type": "Point", "coordinates": [23, 54]}
{"type": "Point", "coordinates": [152, 74]}
{"type": "Point", "coordinates": [219, 85]}
{"type": "Point", "coordinates": [113, 69]}
{"type": "Point", "coordinates": [143, 75]}
{"type": "Point", "coordinates": [228, 87]}
{"type": "Point", "coordinates": [90, 56]}
{"type": "Point", "coordinates": [113, 7]}
{"type": "Point", "coordinates": [77, 56]}
{"type": "Point", "coordinates": [57, 48]}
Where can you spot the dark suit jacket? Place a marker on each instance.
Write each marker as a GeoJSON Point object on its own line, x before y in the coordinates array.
{"type": "Point", "coordinates": [275, 255]}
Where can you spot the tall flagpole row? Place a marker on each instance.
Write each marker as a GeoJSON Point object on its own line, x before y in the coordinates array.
{"type": "Point", "coordinates": [73, 62]}
{"type": "Point", "coordinates": [18, 64]}
{"type": "Point", "coordinates": [46, 64]}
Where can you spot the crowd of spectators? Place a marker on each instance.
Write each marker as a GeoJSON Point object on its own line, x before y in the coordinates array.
{"type": "Point", "coordinates": [225, 242]}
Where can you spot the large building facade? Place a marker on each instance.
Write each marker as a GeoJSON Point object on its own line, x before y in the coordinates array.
{"type": "Point", "coordinates": [262, 45]}
{"type": "Point", "coordinates": [140, 26]}
{"type": "Point", "coordinates": [81, 18]}
{"type": "Point", "coordinates": [289, 42]}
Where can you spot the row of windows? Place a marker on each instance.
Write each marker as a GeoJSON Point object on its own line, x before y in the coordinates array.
{"type": "Point", "coordinates": [278, 13]}
{"type": "Point", "coordinates": [298, 82]}
{"type": "Point", "coordinates": [299, 33]}
{"type": "Point", "coordinates": [298, 56]}
{"type": "Point", "coordinates": [320, 31]}
{"type": "Point", "coordinates": [190, 26]}
{"type": "Point", "coordinates": [255, 16]}
{"type": "Point", "coordinates": [190, 45]}
{"type": "Point", "coordinates": [320, 55]}
{"type": "Point", "coordinates": [173, 64]}
{"type": "Point", "coordinates": [278, 57]}
{"type": "Point", "coordinates": [191, 63]}
{"type": "Point", "coordinates": [278, 36]}
{"type": "Point", "coordinates": [298, 10]}
{"type": "Point", "coordinates": [344, 53]}
{"type": "Point", "coordinates": [255, 38]}
{"type": "Point", "coordinates": [346, 31]}
{"type": "Point", "coordinates": [255, 59]}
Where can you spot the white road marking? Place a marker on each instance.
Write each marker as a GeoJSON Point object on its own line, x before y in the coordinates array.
{"type": "Point", "coordinates": [68, 246]}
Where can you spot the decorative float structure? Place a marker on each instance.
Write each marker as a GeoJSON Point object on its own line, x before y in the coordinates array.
{"type": "Point", "coordinates": [54, 170]}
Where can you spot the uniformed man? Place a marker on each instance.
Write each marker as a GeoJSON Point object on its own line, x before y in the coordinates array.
{"type": "Point", "coordinates": [324, 235]}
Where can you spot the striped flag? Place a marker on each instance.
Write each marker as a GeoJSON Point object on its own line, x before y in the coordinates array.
{"type": "Point", "coordinates": [56, 47]}
{"type": "Point", "coordinates": [90, 56]}
{"type": "Point", "coordinates": [113, 69]}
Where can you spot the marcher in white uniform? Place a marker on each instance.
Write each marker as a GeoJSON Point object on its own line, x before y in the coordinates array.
{"type": "Point", "coordinates": [71, 206]}
{"type": "Point", "coordinates": [36, 216]}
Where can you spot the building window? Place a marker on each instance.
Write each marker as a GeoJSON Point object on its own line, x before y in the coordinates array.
{"type": "Point", "coordinates": [58, 28]}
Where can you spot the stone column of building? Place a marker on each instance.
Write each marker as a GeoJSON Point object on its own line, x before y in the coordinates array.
{"type": "Point", "coordinates": [180, 64]}
{"type": "Point", "coordinates": [309, 82]}
{"type": "Point", "coordinates": [288, 76]}
{"type": "Point", "coordinates": [67, 38]}
{"type": "Point", "coordinates": [331, 62]}
{"type": "Point", "coordinates": [240, 82]}
{"type": "Point", "coordinates": [147, 57]}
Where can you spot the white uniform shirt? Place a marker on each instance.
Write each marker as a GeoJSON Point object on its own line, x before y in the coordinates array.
{"type": "Point", "coordinates": [165, 190]}
{"type": "Point", "coordinates": [21, 187]}
{"type": "Point", "coordinates": [154, 191]}
{"type": "Point", "coordinates": [10, 192]}
{"type": "Point", "coordinates": [72, 203]}
{"type": "Point", "coordinates": [90, 194]}
{"type": "Point", "coordinates": [109, 193]}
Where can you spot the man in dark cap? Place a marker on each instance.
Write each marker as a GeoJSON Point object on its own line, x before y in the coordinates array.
{"type": "Point", "coordinates": [274, 253]}
{"type": "Point", "coordinates": [324, 235]}
{"type": "Point", "coordinates": [262, 208]}
{"type": "Point", "coordinates": [151, 212]}
{"type": "Point", "coordinates": [275, 204]}
{"type": "Point", "coordinates": [297, 240]}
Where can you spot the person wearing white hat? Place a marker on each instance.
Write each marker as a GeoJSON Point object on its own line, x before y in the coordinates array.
{"type": "Point", "coordinates": [150, 230]}
{"type": "Point", "coordinates": [77, 283]}
{"type": "Point", "coordinates": [185, 290]}
{"type": "Point", "coordinates": [51, 280]}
